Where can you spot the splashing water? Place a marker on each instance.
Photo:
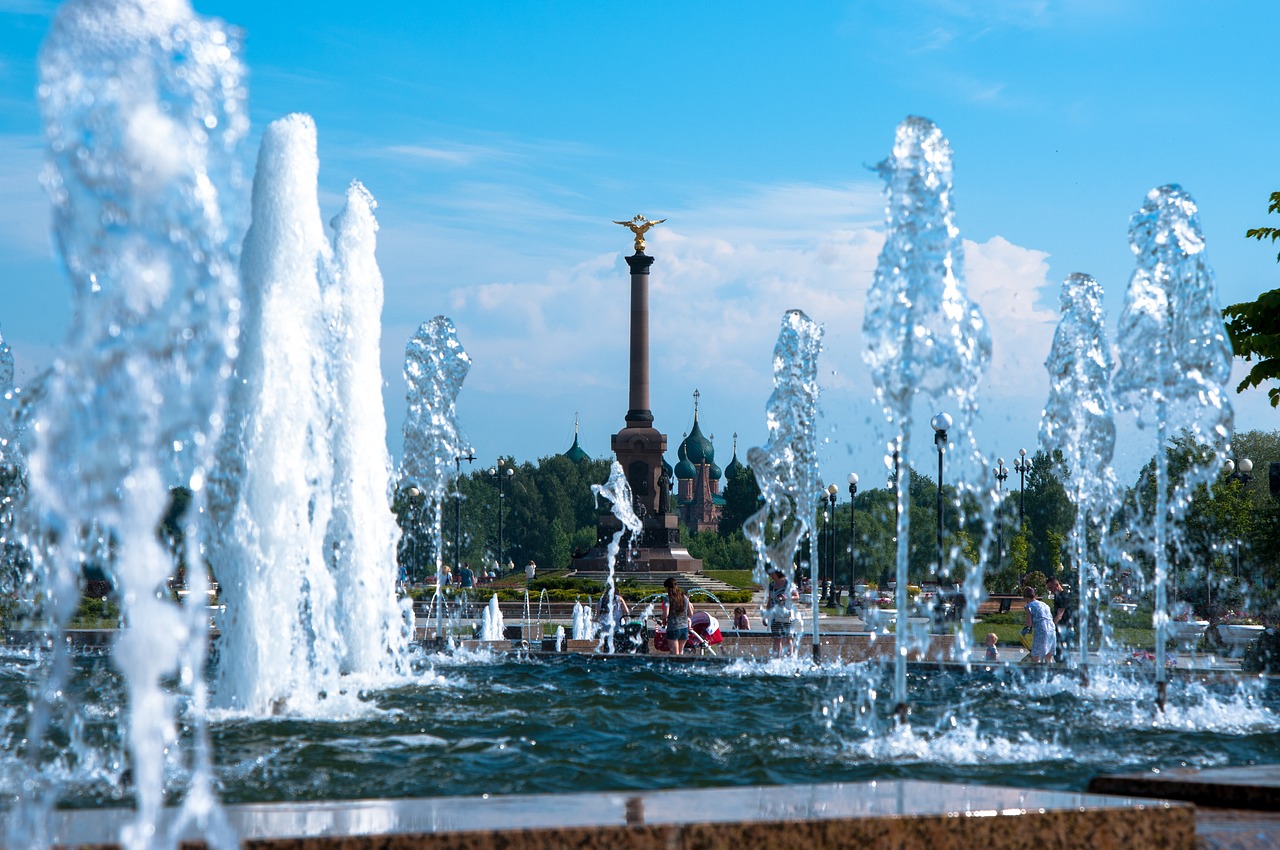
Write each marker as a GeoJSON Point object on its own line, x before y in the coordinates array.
{"type": "Point", "coordinates": [618, 492]}
{"type": "Point", "coordinates": [14, 560]}
{"type": "Point", "coordinates": [923, 333]}
{"type": "Point", "coordinates": [786, 468]}
{"type": "Point", "coordinates": [281, 647]}
{"type": "Point", "coordinates": [362, 536]}
{"type": "Point", "coordinates": [1078, 422]}
{"type": "Point", "coordinates": [1176, 363]}
{"type": "Point", "coordinates": [435, 365]}
{"type": "Point", "coordinates": [491, 624]}
{"type": "Point", "coordinates": [581, 622]}
{"type": "Point", "coordinates": [11, 455]}
{"type": "Point", "coordinates": [143, 111]}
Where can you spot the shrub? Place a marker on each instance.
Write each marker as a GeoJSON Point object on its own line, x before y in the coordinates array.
{"type": "Point", "coordinates": [1263, 655]}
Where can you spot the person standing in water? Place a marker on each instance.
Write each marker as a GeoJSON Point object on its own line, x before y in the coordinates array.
{"type": "Point", "coordinates": [676, 611]}
{"type": "Point", "coordinates": [780, 596]}
{"type": "Point", "coordinates": [1040, 622]}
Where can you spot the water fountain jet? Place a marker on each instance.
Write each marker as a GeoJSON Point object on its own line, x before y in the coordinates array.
{"type": "Point", "coordinates": [923, 335]}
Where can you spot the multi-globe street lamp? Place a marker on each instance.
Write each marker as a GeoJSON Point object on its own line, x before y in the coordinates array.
{"type": "Point", "coordinates": [1001, 473]}
{"type": "Point", "coordinates": [501, 473]}
{"type": "Point", "coordinates": [831, 539]}
{"type": "Point", "coordinates": [940, 423]}
{"type": "Point", "coordinates": [469, 457]}
{"type": "Point", "coordinates": [853, 491]}
{"type": "Point", "coordinates": [1021, 466]}
{"type": "Point", "coordinates": [416, 503]}
{"type": "Point", "coordinates": [894, 478]}
{"type": "Point", "coordinates": [1241, 472]}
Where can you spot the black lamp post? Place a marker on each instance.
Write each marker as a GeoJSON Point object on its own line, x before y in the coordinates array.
{"type": "Point", "coordinates": [1243, 473]}
{"type": "Point", "coordinates": [416, 502]}
{"type": "Point", "coordinates": [894, 478]}
{"type": "Point", "coordinates": [1002, 474]}
{"type": "Point", "coordinates": [1021, 466]}
{"type": "Point", "coordinates": [940, 424]}
{"type": "Point", "coordinates": [469, 457]}
{"type": "Point", "coordinates": [853, 491]}
{"type": "Point", "coordinates": [500, 473]}
{"type": "Point", "coordinates": [831, 538]}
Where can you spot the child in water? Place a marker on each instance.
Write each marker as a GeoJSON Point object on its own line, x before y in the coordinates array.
{"type": "Point", "coordinates": [992, 653]}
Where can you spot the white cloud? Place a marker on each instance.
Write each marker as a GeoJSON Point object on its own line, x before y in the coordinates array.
{"type": "Point", "coordinates": [725, 273]}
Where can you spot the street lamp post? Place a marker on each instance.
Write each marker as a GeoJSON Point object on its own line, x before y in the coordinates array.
{"type": "Point", "coordinates": [1021, 466]}
{"type": "Point", "coordinates": [940, 424]}
{"type": "Point", "coordinates": [415, 505]}
{"type": "Point", "coordinates": [1002, 474]}
{"type": "Point", "coordinates": [500, 473]}
{"type": "Point", "coordinates": [469, 457]}
{"type": "Point", "coordinates": [894, 479]}
{"type": "Point", "coordinates": [831, 539]}
{"type": "Point", "coordinates": [853, 491]}
{"type": "Point", "coordinates": [1243, 473]}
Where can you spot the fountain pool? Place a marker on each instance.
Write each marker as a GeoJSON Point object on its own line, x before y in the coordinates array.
{"type": "Point", "coordinates": [486, 724]}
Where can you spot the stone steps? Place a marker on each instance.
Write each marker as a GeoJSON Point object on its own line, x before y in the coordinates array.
{"type": "Point", "coordinates": [689, 581]}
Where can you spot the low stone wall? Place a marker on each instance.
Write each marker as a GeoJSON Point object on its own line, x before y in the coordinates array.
{"type": "Point", "coordinates": [902, 814]}
{"type": "Point", "coordinates": [847, 648]}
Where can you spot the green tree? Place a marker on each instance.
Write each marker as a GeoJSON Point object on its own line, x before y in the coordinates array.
{"type": "Point", "coordinates": [1254, 326]}
{"type": "Point", "coordinates": [1049, 513]}
{"type": "Point", "coordinates": [741, 500]}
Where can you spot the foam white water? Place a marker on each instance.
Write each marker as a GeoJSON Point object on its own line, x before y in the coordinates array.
{"type": "Point", "coordinates": [1174, 371]}
{"type": "Point", "coordinates": [362, 536]}
{"type": "Point", "coordinates": [143, 111]}
{"type": "Point", "coordinates": [1078, 422]}
{"type": "Point", "coordinates": [581, 622]}
{"type": "Point", "coordinates": [923, 334]}
{"type": "Point", "coordinates": [491, 624]}
{"type": "Point", "coordinates": [435, 365]}
{"type": "Point", "coordinates": [618, 492]}
{"type": "Point", "coordinates": [280, 648]}
{"type": "Point", "coordinates": [786, 467]}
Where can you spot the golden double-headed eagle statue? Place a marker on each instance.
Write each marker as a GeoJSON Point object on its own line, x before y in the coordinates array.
{"type": "Point", "coordinates": [640, 226]}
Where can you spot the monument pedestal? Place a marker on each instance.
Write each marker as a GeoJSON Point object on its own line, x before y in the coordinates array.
{"type": "Point", "coordinates": [639, 448]}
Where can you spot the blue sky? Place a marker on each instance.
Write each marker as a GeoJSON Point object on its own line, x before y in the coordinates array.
{"type": "Point", "coordinates": [501, 139]}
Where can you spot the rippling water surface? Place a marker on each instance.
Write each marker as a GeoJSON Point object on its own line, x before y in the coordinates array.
{"type": "Point", "coordinates": [482, 725]}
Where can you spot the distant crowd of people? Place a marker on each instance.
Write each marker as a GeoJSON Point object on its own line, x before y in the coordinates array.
{"type": "Point", "coordinates": [468, 577]}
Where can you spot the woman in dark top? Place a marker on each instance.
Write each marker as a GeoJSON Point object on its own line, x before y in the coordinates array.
{"type": "Point", "coordinates": [676, 611]}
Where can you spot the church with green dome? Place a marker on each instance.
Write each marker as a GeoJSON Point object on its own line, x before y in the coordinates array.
{"type": "Point", "coordinates": [698, 500]}
{"type": "Point", "coordinates": [576, 453]}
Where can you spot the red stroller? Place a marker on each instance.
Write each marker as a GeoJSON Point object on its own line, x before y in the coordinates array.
{"type": "Point", "coordinates": [704, 634]}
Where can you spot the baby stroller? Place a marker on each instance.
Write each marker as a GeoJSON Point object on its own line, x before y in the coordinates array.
{"type": "Point", "coordinates": [631, 637]}
{"type": "Point", "coordinates": [704, 634]}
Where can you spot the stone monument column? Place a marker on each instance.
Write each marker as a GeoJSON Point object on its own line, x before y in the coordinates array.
{"type": "Point", "coordinates": [639, 414]}
{"type": "Point", "coordinates": [639, 447]}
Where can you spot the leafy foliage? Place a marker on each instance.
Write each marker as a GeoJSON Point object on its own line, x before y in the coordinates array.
{"type": "Point", "coordinates": [1049, 512]}
{"type": "Point", "coordinates": [741, 500]}
{"type": "Point", "coordinates": [1263, 655]}
{"type": "Point", "coordinates": [1254, 326]}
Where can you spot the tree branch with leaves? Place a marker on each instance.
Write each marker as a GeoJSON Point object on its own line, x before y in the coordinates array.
{"type": "Point", "coordinates": [1254, 326]}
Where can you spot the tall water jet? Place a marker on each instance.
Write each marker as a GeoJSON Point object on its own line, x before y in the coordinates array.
{"type": "Point", "coordinates": [1177, 361]}
{"type": "Point", "coordinates": [362, 536]}
{"type": "Point", "coordinates": [1078, 422]}
{"type": "Point", "coordinates": [922, 332]}
{"type": "Point", "coordinates": [618, 492]}
{"type": "Point", "coordinates": [786, 467]}
{"type": "Point", "coordinates": [143, 111]}
{"type": "Point", "coordinates": [435, 365]}
{"type": "Point", "coordinates": [14, 561]}
{"type": "Point", "coordinates": [281, 646]}
{"type": "Point", "coordinates": [581, 622]}
{"type": "Point", "coordinates": [491, 624]}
